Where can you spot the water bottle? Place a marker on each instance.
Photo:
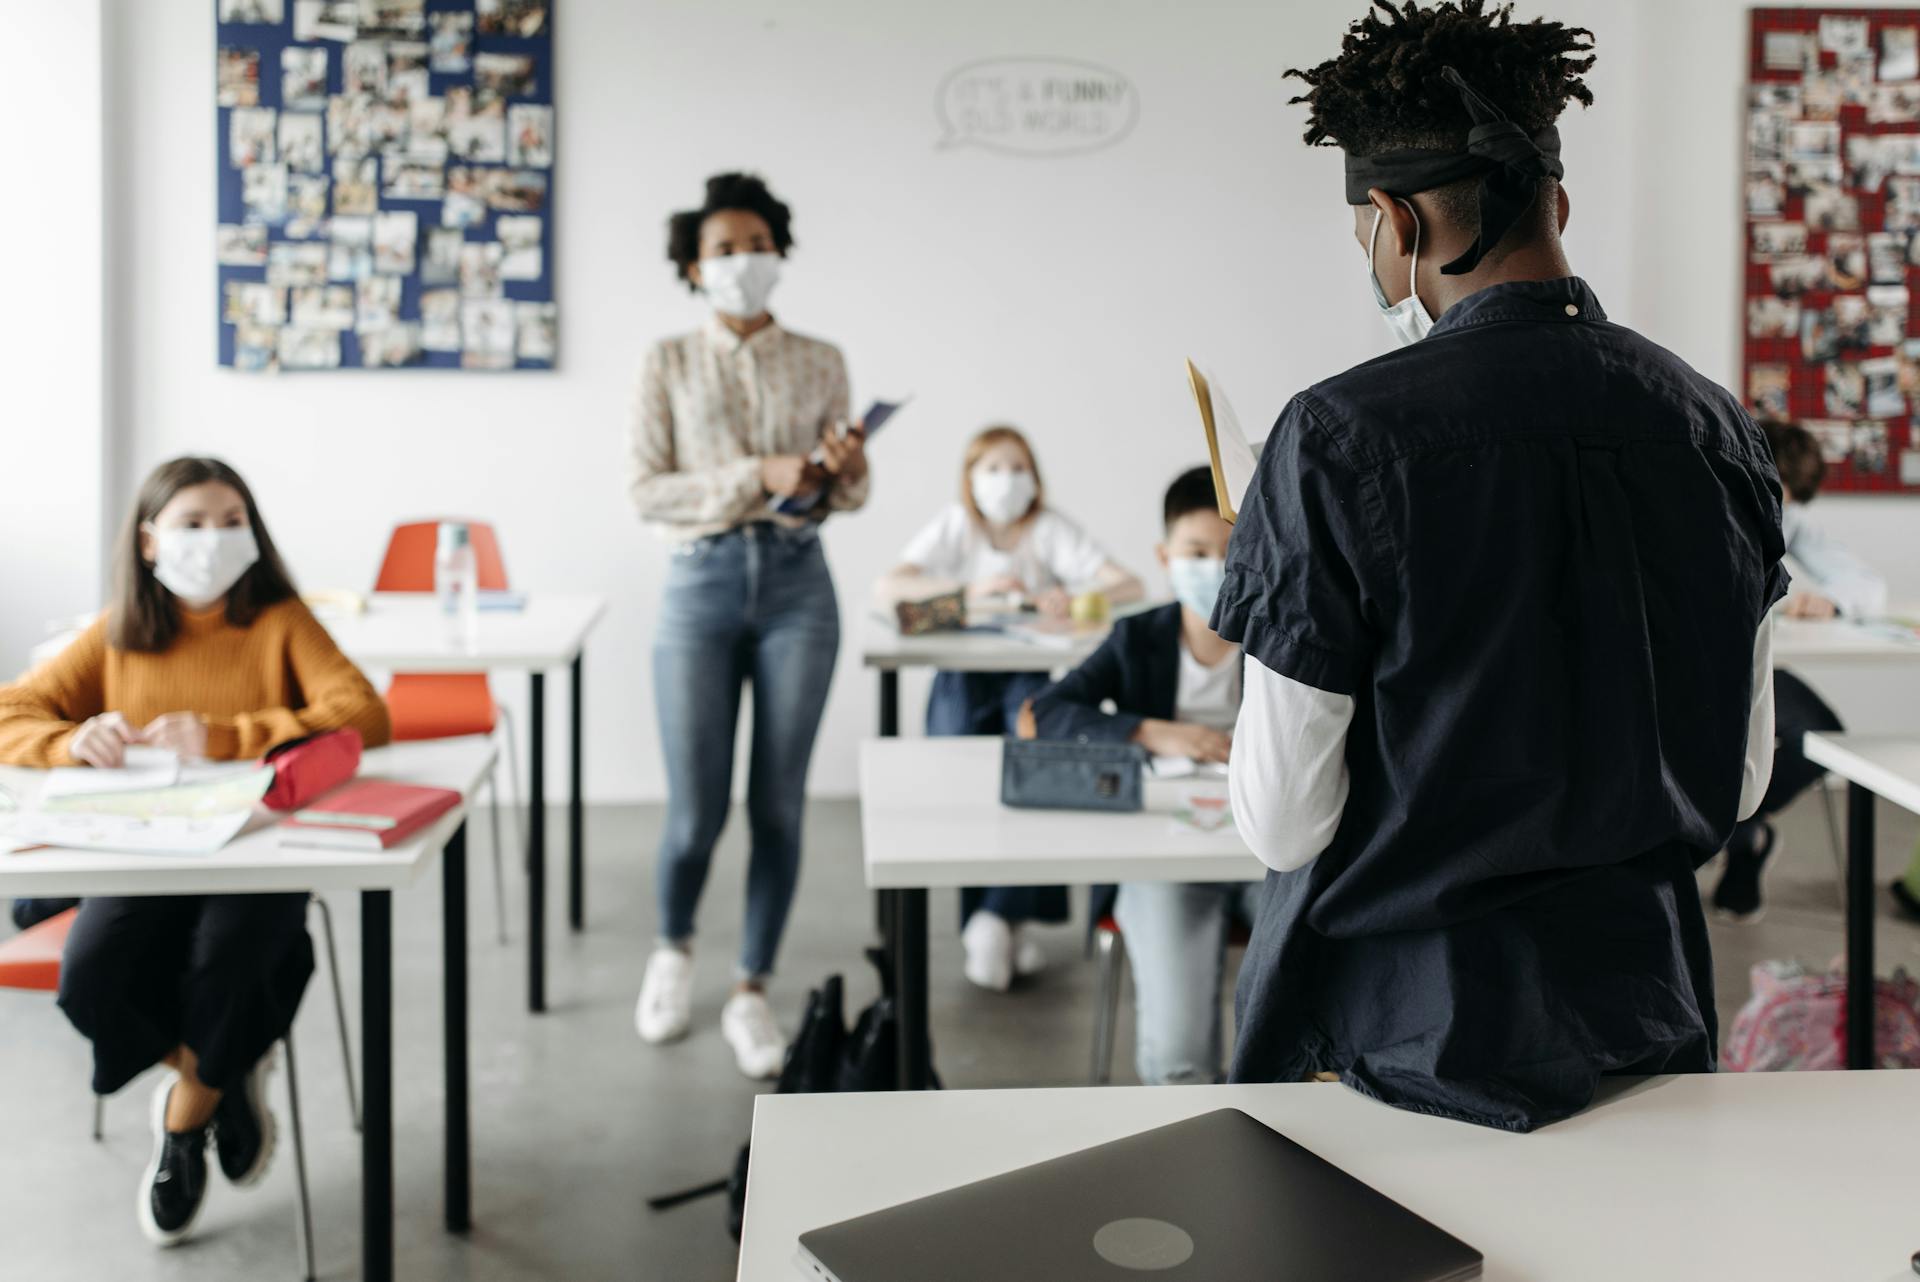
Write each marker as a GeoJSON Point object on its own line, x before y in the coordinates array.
{"type": "Point", "coordinates": [455, 585]}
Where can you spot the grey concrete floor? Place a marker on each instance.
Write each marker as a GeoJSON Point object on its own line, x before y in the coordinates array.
{"type": "Point", "coordinates": [575, 1121]}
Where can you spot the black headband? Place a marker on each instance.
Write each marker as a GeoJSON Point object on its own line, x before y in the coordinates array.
{"type": "Point", "coordinates": [1511, 164]}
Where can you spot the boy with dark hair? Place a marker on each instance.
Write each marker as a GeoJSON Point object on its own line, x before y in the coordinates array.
{"type": "Point", "coordinates": [1175, 687]}
{"type": "Point", "coordinates": [1503, 595]}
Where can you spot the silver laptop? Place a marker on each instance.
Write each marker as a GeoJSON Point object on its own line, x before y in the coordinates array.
{"type": "Point", "coordinates": [1218, 1197]}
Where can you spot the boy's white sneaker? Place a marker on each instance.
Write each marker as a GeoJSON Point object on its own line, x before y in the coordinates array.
{"type": "Point", "coordinates": [759, 1048]}
{"type": "Point", "coordinates": [1029, 958]}
{"type": "Point", "coordinates": [988, 943]}
{"type": "Point", "coordinates": [665, 1009]}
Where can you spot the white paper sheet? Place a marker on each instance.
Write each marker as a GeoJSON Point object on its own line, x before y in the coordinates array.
{"type": "Point", "coordinates": [145, 769]}
{"type": "Point", "coordinates": [1227, 445]}
{"type": "Point", "coordinates": [156, 835]}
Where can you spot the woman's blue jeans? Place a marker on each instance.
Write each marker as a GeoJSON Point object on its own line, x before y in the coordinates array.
{"type": "Point", "coordinates": [755, 605]}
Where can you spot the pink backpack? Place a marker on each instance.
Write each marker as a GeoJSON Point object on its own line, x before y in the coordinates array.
{"type": "Point", "coordinates": [1797, 1020]}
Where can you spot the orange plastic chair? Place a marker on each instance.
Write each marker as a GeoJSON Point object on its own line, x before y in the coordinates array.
{"type": "Point", "coordinates": [445, 705]}
{"type": "Point", "coordinates": [30, 960]}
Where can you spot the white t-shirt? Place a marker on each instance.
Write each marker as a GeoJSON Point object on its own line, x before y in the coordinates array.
{"type": "Point", "coordinates": [1208, 697]}
{"type": "Point", "coordinates": [1053, 552]}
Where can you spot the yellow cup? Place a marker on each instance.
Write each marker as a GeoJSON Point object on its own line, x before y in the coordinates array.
{"type": "Point", "coordinates": [1091, 607]}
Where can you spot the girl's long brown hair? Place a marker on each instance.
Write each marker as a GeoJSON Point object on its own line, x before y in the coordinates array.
{"type": "Point", "coordinates": [144, 615]}
{"type": "Point", "coordinates": [1000, 434]}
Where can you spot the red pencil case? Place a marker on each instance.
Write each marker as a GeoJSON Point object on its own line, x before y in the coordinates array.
{"type": "Point", "coordinates": [306, 769]}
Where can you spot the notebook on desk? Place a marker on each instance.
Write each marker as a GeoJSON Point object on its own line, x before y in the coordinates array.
{"type": "Point", "coordinates": [1216, 1198]}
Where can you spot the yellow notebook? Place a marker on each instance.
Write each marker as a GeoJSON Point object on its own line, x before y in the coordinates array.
{"type": "Point", "coordinates": [1232, 459]}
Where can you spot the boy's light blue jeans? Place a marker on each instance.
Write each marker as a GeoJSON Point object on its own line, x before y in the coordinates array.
{"type": "Point", "coordinates": [1176, 938]}
{"type": "Point", "coordinates": [752, 605]}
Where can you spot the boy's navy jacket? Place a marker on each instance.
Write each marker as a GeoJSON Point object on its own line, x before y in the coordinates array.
{"type": "Point", "coordinates": [1535, 549]}
{"type": "Point", "coordinates": [1138, 667]}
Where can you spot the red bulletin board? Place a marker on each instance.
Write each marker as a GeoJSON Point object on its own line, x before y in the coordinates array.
{"type": "Point", "coordinates": [1832, 199]}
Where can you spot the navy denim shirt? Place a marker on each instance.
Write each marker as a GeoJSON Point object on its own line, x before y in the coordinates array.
{"type": "Point", "coordinates": [1535, 549]}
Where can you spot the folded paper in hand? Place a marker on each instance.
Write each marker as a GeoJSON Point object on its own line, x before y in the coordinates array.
{"type": "Point", "coordinates": [1232, 458]}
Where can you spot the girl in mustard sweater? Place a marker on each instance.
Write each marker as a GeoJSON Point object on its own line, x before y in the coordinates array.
{"type": "Point", "coordinates": [206, 650]}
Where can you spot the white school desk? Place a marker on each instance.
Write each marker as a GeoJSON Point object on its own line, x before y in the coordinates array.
{"type": "Point", "coordinates": [930, 815]}
{"type": "Point", "coordinates": [256, 863]}
{"type": "Point", "coordinates": [883, 649]}
{"type": "Point", "coordinates": [1872, 766]}
{"type": "Point", "coordinates": [1766, 1177]}
{"type": "Point", "coordinates": [406, 632]}
{"type": "Point", "coordinates": [1841, 641]}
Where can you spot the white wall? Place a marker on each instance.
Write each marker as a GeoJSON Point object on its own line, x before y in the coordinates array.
{"type": "Point", "coordinates": [51, 331]}
{"type": "Point", "coordinates": [1059, 294]}
{"type": "Point", "coordinates": [1686, 277]}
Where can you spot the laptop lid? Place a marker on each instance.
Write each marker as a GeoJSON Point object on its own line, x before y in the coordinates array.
{"type": "Point", "coordinates": [1218, 1197]}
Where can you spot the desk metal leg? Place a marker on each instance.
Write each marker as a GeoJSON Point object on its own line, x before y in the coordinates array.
{"type": "Point", "coordinates": [537, 843]}
{"type": "Point", "coordinates": [453, 944]}
{"type": "Point", "coordinates": [889, 729]}
{"type": "Point", "coordinates": [376, 1076]}
{"type": "Point", "coordinates": [889, 703]}
{"type": "Point", "coordinates": [576, 828]}
{"type": "Point", "coordinates": [1860, 1001]}
{"type": "Point", "coordinates": [908, 944]}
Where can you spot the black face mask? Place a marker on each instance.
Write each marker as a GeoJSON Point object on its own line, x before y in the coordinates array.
{"type": "Point", "coordinates": [1511, 163]}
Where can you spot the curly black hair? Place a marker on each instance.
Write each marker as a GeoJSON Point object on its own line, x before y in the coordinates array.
{"type": "Point", "coordinates": [1384, 91]}
{"type": "Point", "coordinates": [741, 191]}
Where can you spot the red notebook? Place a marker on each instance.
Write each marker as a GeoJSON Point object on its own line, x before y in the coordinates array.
{"type": "Point", "coordinates": [367, 814]}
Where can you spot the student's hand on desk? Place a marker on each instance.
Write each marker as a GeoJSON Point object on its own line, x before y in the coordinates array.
{"type": "Point", "coordinates": [1002, 585]}
{"type": "Point", "coordinates": [183, 733]}
{"type": "Point", "coordinates": [102, 741]}
{"type": "Point", "coordinates": [1055, 603]}
{"type": "Point", "coordinates": [1182, 739]}
{"type": "Point", "coordinates": [844, 454]}
{"type": "Point", "coordinates": [1810, 605]}
{"type": "Point", "coordinates": [786, 475]}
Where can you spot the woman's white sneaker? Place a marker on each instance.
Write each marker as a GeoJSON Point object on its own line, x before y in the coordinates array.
{"type": "Point", "coordinates": [665, 1009]}
{"type": "Point", "coordinates": [759, 1048]}
{"type": "Point", "coordinates": [988, 944]}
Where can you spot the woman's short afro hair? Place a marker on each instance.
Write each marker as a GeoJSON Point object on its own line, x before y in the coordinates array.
{"type": "Point", "coordinates": [741, 191]}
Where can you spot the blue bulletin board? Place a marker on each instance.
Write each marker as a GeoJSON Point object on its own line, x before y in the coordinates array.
{"type": "Point", "coordinates": [385, 172]}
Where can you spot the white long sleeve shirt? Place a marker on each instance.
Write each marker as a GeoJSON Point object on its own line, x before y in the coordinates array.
{"type": "Point", "coordinates": [1288, 772]}
{"type": "Point", "coordinates": [1830, 568]}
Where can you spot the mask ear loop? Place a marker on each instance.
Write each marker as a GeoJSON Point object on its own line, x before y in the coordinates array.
{"type": "Point", "coordinates": [1413, 275]}
{"type": "Point", "coordinates": [1373, 241]}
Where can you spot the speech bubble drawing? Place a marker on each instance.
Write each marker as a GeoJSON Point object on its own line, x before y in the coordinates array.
{"type": "Point", "coordinates": [1035, 106]}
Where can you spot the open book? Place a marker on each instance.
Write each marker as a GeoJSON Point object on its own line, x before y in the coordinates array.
{"type": "Point", "coordinates": [1232, 458]}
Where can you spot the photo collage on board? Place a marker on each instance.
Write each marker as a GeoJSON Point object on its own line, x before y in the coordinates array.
{"type": "Point", "coordinates": [1833, 236]}
{"type": "Point", "coordinates": [385, 184]}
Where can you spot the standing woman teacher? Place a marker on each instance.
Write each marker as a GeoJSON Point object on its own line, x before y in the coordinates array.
{"type": "Point", "coordinates": [734, 417]}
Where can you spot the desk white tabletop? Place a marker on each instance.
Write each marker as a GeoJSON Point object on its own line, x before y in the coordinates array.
{"type": "Point", "coordinates": [930, 815]}
{"type": "Point", "coordinates": [1768, 1177]}
{"type": "Point", "coordinates": [255, 862]}
{"type": "Point", "coordinates": [1843, 641]}
{"type": "Point", "coordinates": [1889, 765]}
{"type": "Point", "coordinates": [883, 647]}
{"type": "Point", "coordinates": [406, 631]}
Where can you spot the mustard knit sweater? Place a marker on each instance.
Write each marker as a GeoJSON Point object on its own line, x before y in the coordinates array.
{"type": "Point", "coordinates": [257, 686]}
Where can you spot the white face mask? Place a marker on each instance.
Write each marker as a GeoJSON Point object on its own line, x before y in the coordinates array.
{"type": "Point", "coordinates": [1407, 318]}
{"type": "Point", "coordinates": [199, 566]}
{"type": "Point", "coordinates": [739, 285]}
{"type": "Point", "coordinates": [1197, 581]}
{"type": "Point", "coordinates": [1003, 497]}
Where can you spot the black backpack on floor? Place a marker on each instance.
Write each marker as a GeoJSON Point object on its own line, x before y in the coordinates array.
{"type": "Point", "coordinates": [825, 1056]}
